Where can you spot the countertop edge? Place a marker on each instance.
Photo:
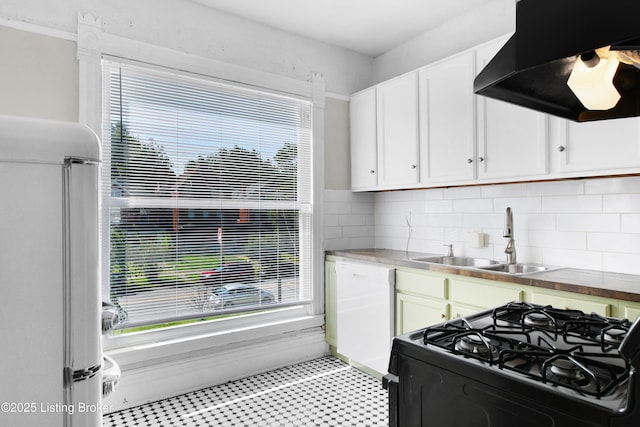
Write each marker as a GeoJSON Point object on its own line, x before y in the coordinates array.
{"type": "Point", "coordinates": [618, 286]}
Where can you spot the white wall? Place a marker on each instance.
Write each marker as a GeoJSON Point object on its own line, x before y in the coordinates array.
{"type": "Point", "coordinates": [456, 35]}
{"type": "Point", "coordinates": [190, 27]}
{"type": "Point", "coordinates": [587, 223]}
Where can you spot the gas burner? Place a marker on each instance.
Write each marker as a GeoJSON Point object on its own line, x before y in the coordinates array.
{"type": "Point", "coordinates": [614, 335]}
{"type": "Point", "coordinates": [473, 344]}
{"type": "Point", "coordinates": [537, 320]}
{"type": "Point", "coordinates": [566, 369]}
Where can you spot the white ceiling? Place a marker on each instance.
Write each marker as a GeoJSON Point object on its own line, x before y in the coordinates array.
{"type": "Point", "coordinates": [371, 27]}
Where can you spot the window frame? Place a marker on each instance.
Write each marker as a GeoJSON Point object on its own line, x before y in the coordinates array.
{"type": "Point", "coordinates": [130, 71]}
{"type": "Point", "coordinates": [93, 45]}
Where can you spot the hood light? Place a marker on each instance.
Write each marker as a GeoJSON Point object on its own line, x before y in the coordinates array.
{"type": "Point", "coordinates": [592, 80]}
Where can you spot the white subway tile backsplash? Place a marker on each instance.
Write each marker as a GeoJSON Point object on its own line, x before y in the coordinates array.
{"type": "Point", "coordinates": [349, 220]}
{"type": "Point", "coordinates": [622, 263]}
{"type": "Point", "coordinates": [428, 233]}
{"type": "Point", "coordinates": [585, 223]}
{"type": "Point", "coordinates": [555, 188]}
{"type": "Point", "coordinates": [362, 208]}
{"type": "Point", "coordinates": [435, 206]}
{"type": "Point", "coordinates": [558, 239]}
{"type": "Point", "coordinates": [361, 242]}
{"type": "Point", "coordinates": [622, 203]}
{"type": "Point", "coordinates": [630, 223]}
{"type": "Point", "coordinates": [617, 185]}
{"type": "Point", "coordinates": [573, 258]}
{"type": "Point", "coordinates": [405, 207]}
{"type": "Point", "coordinates": [482, 221]}
{"type": "Point", "coordinates": [332, 220]}
{"type": "Point", "coordinates": [537, 222]}
{"type": "Point", "coordinates": [573, 204]}
{"type": "Point", "coordinates": [433, 194]}
{"type": "Point", "coordinates": [337, 207]}
{"type": "Point", "coordinates": [444, 220]}
{"type": "Point", "coordinates": [614, 242]}
{"type": "Point", "coordinates": [332, 233]}
{"type": "Point", "coordinates": [518, 205]}
{"type": "Point", "coordinates": [588, 222]}
{"type": "Point", "coordinates": [357, 231]}
{"type": "Point", "coordinates": [456, 193]}
{"type": "Point", "coordinates": [473, 205]}
{"type": "Point", "coordinates": [503, 190]}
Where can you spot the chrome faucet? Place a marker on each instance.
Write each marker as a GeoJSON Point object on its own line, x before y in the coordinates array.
{"type": "Point", "coordinates": [450, 251]}
{"type": "Point", "coordinates": [510, 250]}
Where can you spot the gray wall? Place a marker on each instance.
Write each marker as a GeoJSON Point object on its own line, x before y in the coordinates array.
{"type": "Point", "coordinates": [337, 163]}
{"type": "Point", "coordinates": [38, 76]}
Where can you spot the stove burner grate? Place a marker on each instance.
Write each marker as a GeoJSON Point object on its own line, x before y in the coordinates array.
{"type": "Point", "coordinates": [559, 347]}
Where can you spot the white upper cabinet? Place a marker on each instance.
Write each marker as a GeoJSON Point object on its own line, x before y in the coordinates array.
{"type": "Point", "coordinates": [447, 120]}
{"type": "Point", "coordinates": [364, 167]}
{"type": "Point", "coordinates": [600, 147]}
{"type": "Point", "coordinates": [397, 125]}
{"type": "Point", "coordinates": [512, 141]}
{"type": "Point", "coordinates": [427, 128]}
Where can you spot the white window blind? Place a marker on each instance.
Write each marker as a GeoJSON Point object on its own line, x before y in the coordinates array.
{"type": "Point", "coordinates": [207, 187]}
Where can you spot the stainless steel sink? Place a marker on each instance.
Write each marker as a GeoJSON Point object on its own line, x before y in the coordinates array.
{"type": "Point", "coordinates": [518, 268]}
{"type": "Point", "coordinates": [459, 261]}
{"type": "Point", "coordinates": [486, 264]}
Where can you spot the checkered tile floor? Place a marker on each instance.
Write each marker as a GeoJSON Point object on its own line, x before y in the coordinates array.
{"type": "Point", "coordinates": [322, 392]}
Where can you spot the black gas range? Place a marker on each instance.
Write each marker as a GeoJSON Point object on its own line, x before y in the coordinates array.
{"type": "Point", "coordinates": [521, 365]}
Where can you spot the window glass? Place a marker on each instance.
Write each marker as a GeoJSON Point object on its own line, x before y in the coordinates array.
{"type": "Point", "coordinates": [206, 185]}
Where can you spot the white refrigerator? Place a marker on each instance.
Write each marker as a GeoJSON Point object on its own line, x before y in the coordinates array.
{"type": "Point", "coordinates": [50, 300]}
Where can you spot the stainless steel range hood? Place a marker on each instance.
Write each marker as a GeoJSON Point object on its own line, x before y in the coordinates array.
{"type": "Point", "coordinates": [533, 67]}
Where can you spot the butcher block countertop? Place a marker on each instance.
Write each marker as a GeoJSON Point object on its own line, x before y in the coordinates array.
{"type": "Point", "coordinates": [589, 282]}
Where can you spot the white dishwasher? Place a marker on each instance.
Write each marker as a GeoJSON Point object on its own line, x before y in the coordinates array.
{"type": "Point", "coordinates": [365, 313]}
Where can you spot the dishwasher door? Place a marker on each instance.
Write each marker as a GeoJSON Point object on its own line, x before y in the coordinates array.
{"type": "Point", "coordinates": [365, 313]}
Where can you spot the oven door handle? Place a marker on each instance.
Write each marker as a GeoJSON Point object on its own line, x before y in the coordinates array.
{"type": "Point", "coordinates": [387, 379]}
{"type": "Point", "coordinates": [390, 382]}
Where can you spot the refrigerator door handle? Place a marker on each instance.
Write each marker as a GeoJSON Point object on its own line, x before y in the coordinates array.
{"type": "Point", "coordinates": [85, 374]}
{"type": "Point", "coordinates": [74, 375]}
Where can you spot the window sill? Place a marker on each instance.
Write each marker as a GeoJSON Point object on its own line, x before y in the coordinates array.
{"type": "Point", "coordinates": [163, 345]}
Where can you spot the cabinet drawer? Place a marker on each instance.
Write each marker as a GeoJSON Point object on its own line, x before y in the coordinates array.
{"type": "Point", "coordinates": [480, 295]}
{"type": "Point", "coordinates": [564, 302]}
{"type": "Point", "coordinates": [421, 284]}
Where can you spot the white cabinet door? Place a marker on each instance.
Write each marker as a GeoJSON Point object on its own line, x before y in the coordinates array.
{"type": "Point", "coordinates": [397, 102]}
{"type": "Point", "coordinates": [447, 125]}
{"type": "Point", "coordinates": [512, 140]}
{"type": "Point", "coordinates": [364, 167]}
{"type": "Point", "coordinates": [601, 146]}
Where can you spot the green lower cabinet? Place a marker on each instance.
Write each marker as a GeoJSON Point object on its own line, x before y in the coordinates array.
{"type": "Point", "coordinates": [425, 298]}
{"type": "Point", "coordinates": [629, 310]}
{"type": "Point", "coordinates": [413, 312]}
{"type": "Point", "coordinates": [459, 310]}
{"type": "Point", "coordinates": [331, 328]}
{"type": "Point", "coordinates": [565, 300]}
